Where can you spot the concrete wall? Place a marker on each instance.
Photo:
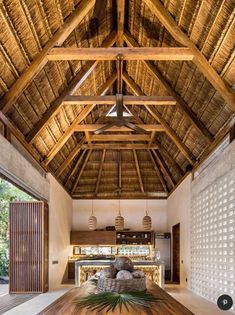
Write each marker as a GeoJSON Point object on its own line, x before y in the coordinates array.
{"type": "Point", "coordinates": [132, 210]}
{"type": "Point", "coordinates": [60, 222]}
{"type": "Point", "coordinates": [178, 211]}
{"type": "Point", "coordinates": [20, 171]}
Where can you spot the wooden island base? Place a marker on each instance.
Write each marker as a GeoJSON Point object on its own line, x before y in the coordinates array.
{"type": "Point", "coordinates": [65, 305]}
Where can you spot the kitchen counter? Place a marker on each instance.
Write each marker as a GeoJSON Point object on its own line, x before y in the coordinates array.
{"type": "Point", "coordinates": [84, 269]}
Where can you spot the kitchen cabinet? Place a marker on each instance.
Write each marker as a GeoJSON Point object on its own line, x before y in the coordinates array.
{"type": "Point", "coordinates": [93, 238]}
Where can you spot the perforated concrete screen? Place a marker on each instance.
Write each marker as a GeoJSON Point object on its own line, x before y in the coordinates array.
{"type": "Point", "coordinates": [213, 239]}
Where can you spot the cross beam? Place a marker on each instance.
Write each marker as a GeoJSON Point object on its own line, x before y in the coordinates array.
{"type": "Point", "coordinates": [111, 100]}
{"type": "Point", "coordinates": [127, 53]}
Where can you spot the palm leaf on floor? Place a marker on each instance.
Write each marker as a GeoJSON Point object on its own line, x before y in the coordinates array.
{"type": "Point", "coordinates": [111, 300]}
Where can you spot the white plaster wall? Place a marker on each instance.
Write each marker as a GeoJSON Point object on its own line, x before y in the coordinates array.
{"type": "Point", "coordinates": [60, 222]}
{"type": "Point", "coordinates": [178, 211]}
{"type": "Point", "coordinates": [132, 210]}
{"type": "Point", "coordinates": [20, 171]}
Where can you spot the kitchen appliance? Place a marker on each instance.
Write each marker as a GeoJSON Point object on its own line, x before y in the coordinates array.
{"type": "Point", "coordinates": [163, 245]}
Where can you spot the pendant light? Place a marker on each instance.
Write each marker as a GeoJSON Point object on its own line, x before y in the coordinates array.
{"type": "Point", "coordinates": [147, 220]}
{"type": "Point", "coordinates": [119, 220]}
{"type": "Point", "coordinates": [92, 222]}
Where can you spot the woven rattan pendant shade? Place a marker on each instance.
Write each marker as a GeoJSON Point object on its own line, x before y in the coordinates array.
{"type": "Point", "coordinates": [147, 220]}
{"type": "Point", "coordinates": [92, 222]}
{"type": "Point", "coordinates": [119, 221]}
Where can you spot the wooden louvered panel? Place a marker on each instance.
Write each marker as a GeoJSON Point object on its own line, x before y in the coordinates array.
{"type": "Point", "coordinates": [28, 247]}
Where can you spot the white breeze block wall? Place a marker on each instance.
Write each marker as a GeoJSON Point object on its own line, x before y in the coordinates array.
{"type": "Point", "coordinates": [213, 228]}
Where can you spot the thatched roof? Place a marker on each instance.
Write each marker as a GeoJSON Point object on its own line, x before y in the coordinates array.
{"type": "Point", "coordinates": [27, 26]}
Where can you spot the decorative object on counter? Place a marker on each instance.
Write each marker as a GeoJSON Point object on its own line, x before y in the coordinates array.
{"type": "Point", "coordinates": [123, 263]}
{"type": "Point", "coordinates": [109, 272]}
{"type": "Point", "coordinates": [138, 274]}
{"type": "Point", "coordinates": [119, 220]}
{"type": "Point", "coordinates": [92, 223]}
{"type": "Point", "coordinates": [124, 275]}
{"type": "Point", "coordinates": [123, 279]}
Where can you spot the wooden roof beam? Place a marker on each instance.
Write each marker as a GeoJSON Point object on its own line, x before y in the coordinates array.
{"type": "Point", "coordinates": [183, 106]}
{"type": "Point", "coordinates": [172, 161]}
{"type": "Point", "coordinates": [76, 82]}
{"type": "Point", "coordinates": [41, 59]}
{"type": "Point", "coordinates": [81, 171]}
{"type": "Point", "coordinates": [127, 53]}
{"type": "Point", "coordinates": [120, 146]}
{"type": "Point", "coordinates": [100, 172]}
{"type": "Point", "coordinates": [94, 127]}
{"type": "Point", "coordinates": [74, 170]}
{"type": "Point", "coordinates": [119, 137]}
{"type": "Point", "coordinates": [138, 171]}
{"type": "Point", "coordinates": [156, 115]}
{"type": "Point", "coordinates": [120, 21]}
{"type": "Point", "coordinates": [164, 168]}
{"type": "Point", "coordinates": [200, 61]}
{"type": "Point", "coordinates": [68, 160]}
{"type": "Point", "coordinates": [156, 168]}
{"type": "Point", "coordinates": [111, 100]}
{"type": "Point", "coordinates": [68, 133]}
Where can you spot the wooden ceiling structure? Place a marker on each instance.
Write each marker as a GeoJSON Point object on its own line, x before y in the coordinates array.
{"type": "Point", "coordinates": [58, 81]}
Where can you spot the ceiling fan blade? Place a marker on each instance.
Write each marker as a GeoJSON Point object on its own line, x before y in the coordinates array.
{"type": "Point", "coordinates": [135, 128]}
{"type": "Point", "coordinates": [101, 130]}
{"type": "Point", "coordinates": [100, 6]}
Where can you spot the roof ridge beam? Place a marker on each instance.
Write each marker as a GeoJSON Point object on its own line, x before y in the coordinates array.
{"type": "Point", "coordinates": [200, 61]}
{"type": "Point", "coordinates": [39, 62]}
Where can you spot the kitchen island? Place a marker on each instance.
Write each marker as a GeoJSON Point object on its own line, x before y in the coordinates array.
{"type": "Point", "coordinates": [84, 269]}
{"type": "Point", "coordinates": [67, 304]}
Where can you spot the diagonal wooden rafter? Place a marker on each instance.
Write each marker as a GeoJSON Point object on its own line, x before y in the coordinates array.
{"type": "Point", "coordinates": [171, 160]}
{"type": "Point", "coordinates": [74, 170]}
{"type": "Point", "coordinates": [120, 21]}
{"type": "Point", "coordinates": [200, 61]}
{"type": "Point", "coordinates": [69, 159]}
{"type": "Point", "coordinates": [157, 170]}
{"type": "Point", "coordinates": [68, 133]}
{"type": "Point", "coordinates": [183, 106]}
{"type": "Point", "coordinates": [138, 171]}
{"type": "Point", "coordinates": [41, 59]}
{"type": "Point", "coordinates": [100, 172]}
{"type": "Point", "coordinates": [164, 168]}
{"type": "Point", "coordinates": [171, 133]}
{"type": "Point", "coordinates": [81, 171]}
{"type": "Point", "coordinates": [76, 82]}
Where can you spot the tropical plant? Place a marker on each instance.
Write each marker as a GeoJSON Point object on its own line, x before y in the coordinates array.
{"type": "Point", "coordinates": [111, 300]}
{"type": "Point", "coordinates": [8, 193]}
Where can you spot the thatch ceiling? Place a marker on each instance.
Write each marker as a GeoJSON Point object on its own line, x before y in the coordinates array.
{"type": "Point", "coordinates": [46, 125]}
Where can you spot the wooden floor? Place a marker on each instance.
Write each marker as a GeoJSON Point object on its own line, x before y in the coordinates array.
{"type": "Point", "coordinates": [66, 304]}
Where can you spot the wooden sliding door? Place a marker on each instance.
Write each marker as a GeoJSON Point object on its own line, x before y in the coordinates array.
{"type": "Point", "coordinates": [28, 248]}
{"type": "Point", "coordinates": [176, 252]}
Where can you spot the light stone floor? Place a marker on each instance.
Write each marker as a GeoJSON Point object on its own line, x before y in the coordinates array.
{"type": "Point", "coordinates": [193, 302]}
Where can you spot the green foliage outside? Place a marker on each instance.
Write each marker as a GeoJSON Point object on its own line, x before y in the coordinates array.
{"type": "Point", "coordinates": [8, 193]}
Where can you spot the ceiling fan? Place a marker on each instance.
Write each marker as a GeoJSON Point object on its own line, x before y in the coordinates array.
{"type": "Point", "coordinates": [120, 110]}
{"type": "Point", "coordinates": [96, 19]}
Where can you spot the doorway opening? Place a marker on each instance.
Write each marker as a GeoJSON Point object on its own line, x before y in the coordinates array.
{"type": "Point", "coordinates": [176, 253]}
